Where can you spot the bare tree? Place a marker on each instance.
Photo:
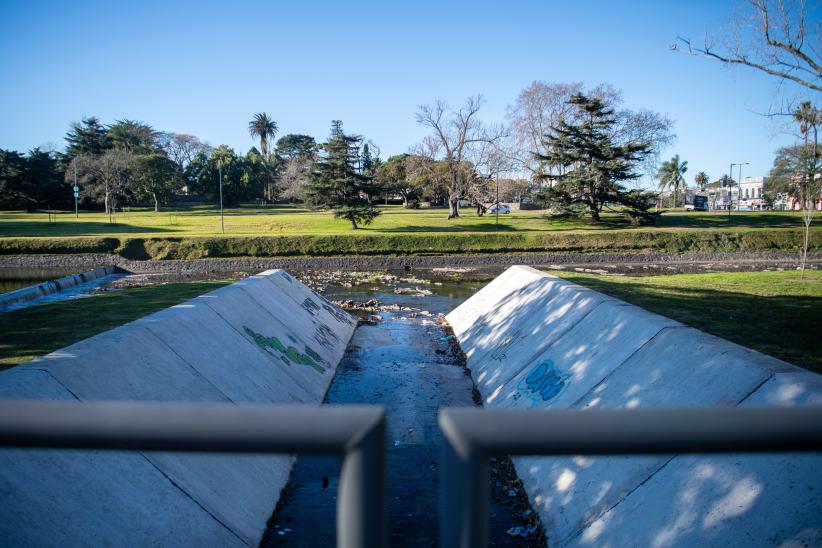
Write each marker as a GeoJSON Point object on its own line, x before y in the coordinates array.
{"type": "Point", "coordinates": [106, 175]}
{"type": "Point", "coordinates": [537, 109]}
{"type": "Point", "coordinates": [182, 148]}
{"type": "Point", "coordinates": [293, 177]}
{"type": "Point", "coordinates": [456, 137]}
{"type": "Point", "coordinates": [778, 38]}
{"type": "Point", "coordinates": [542, 106]}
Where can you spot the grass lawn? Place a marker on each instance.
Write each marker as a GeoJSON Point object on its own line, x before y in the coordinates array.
{"type": "Point", "coordinates": [193, 233]}
{"type": "Point", "coordinates": [773, 312]}
{"type": "Point", "coordinates": [31, 332]}
{"type": "Point", "coordinates": [287, 220]}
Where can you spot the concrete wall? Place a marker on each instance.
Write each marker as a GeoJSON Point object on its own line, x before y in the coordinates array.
{"type": "Point", "coordinates": [534, 340]}
{"type": "Point", "coordinates": [265, 339]}
{"type": "Point", "coordinates": [13, 299]}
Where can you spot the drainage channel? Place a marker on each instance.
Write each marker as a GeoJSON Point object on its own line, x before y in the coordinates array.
{"type": "Point", "coordinates": [406, 359]}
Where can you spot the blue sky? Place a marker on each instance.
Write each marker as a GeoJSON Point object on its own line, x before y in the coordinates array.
{"type": "Point", "coordinates": [205, 67]}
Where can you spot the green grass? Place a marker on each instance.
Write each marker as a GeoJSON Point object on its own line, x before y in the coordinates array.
{"type": "Point", "coordinates": [773, 312]}
{"type": "Point", "coordinates": [288, 220]}
{"type": "Point", "coordinates": [282, 231]}
{"type": "Point", "coordinates": [31, 332]}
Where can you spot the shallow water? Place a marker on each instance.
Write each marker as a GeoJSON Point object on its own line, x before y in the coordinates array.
{"type": "Point", "coordinates": [406, 363]}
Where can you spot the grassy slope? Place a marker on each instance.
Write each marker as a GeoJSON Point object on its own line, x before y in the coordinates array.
{"type": "Point", "coordinates": [280, 231]}
{"type": "Point", "coordinates": [38, 330]}
{"type": "Point", "coordinates": [773, 312]}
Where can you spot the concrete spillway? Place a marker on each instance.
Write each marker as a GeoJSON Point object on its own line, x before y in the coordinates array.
{"type": "Point", "coordinates": [534, 340]}
{"type": "Point", "coordinates": [265, 339]}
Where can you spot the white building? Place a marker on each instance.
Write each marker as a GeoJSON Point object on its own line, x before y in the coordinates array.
{"type": "Point", "coordinates": [752, 193]}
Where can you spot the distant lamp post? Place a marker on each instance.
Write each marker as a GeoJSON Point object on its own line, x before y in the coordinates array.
{"type": "Point", "coordinates": [76, 191]}
{"type": "Point", "coordinates": [730, 190]}
{"type": "Point", "coordinates": [220, 171]}
{"type": "Point", "coordinates": [739, 186]}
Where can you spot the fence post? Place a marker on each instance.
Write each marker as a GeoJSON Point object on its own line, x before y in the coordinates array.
{"type": "Point", "coordinates": [361, 500]}
{"type": "Point", "coordinates": [465, 492]}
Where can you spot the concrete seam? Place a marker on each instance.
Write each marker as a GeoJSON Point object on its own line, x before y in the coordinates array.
{"type": "Point", "coordinates": [196, 371]}
{"type": "Point", "coordinates": [617, 503]}
{"type": "Point", "coordinates": [757, 387]}
{"type": "Point", "coordinates": [615, 369]}
{"type": "Point", "coordinates": [266, 354]}
{"type": "Point", "coordinates": [195, 501]}
{"type": "Point", "coordinates": [541, 351]}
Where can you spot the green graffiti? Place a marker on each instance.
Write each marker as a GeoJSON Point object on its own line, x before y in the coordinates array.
{"type": "Point", "coordinates": [289, 354]}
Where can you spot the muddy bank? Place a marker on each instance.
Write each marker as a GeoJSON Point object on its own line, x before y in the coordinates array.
{"type": "Point", "coordinates": [473, 266]}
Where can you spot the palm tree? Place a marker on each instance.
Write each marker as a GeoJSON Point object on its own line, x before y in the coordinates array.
{"type": "Point", "coordinates": [701, 179]}
{"type": "Point", "coordinates": [671, 175]}
{"type": "Point", "coordinates": [265, 128]}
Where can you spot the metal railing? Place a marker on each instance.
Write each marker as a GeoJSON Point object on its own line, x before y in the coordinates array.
{"type": "Point", "coordinates": [473, 435]}
{"type": "Point", "coordinates": [355, 432]}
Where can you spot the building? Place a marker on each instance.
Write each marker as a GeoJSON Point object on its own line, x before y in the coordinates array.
{"type": "Point", "coordinates": [752, 194]}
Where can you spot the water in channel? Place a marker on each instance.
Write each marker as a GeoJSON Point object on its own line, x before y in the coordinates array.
{"type": "Point", "coordinates": [407, 362]}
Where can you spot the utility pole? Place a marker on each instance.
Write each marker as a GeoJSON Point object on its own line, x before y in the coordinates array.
{"type": "Point", "coordinates": [220, 170]}
{"type": "Point", "coordinates": [76, 191]}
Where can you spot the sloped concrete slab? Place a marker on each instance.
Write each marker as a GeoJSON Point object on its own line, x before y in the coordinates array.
{"type": "Point", "coordinates": [734, 500]}
{"type": "Point", "coordinates": [91, 498]}
{"type": "Point", "coordinates": [536, 342]}
{"type": "Point", "coordinates": [573, 364]}
{"type": "Point", "coordinates": [237, 344]}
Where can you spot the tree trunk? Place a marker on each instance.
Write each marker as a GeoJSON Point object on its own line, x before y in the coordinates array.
{"type": "Point", "coordinates": [453, 207]}
{"type": "Point", "coordinates": [156, 202]}
{"type": "Point", "coordinates": [353, 224]}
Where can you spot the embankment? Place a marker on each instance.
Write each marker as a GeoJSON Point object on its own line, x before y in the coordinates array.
{"type": "Point", "coordinates": [534, 340]}
{"type": "Point", "coordinates": [265, 339]}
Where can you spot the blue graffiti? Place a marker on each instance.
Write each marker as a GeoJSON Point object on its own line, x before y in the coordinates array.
{"type": "Point", "coordinates": [545, 380]}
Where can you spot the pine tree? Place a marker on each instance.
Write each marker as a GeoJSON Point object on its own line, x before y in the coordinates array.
{"type": "Point", "coordinates": [336, 183]}
{"type": "Point", "coordinates": [593, 165]}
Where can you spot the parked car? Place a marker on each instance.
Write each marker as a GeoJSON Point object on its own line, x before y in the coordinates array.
{"type": "Point", "coordinates": [503, 209]}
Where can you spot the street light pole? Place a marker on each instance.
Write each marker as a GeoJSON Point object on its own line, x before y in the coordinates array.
{"type": "Point", "coordinates": [220, 170]}
{"type": "Point", "coordinates": [76, 192]}
{"type": "Point", "coordinates": [739, 186]}
{"type": "Point", "coordinates": [730, 190]}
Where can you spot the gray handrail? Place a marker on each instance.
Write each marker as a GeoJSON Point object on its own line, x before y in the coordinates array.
{"type": "Point", "coordinates": [472, 435]}
{"type": "Point", "coordinates": [356, 432]}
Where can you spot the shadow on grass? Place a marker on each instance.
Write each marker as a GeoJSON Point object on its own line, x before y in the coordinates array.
{"type": "Point", "coordinates": [456, 227]}
{"type": "Point", "coordinates": [79, 228]}
{"type": "Point", "coordinates": [785, 327]}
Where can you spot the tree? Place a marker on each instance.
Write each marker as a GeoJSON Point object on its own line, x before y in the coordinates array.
{"type": "Point", "coordinates": [181, 148]}
{"type": "Point", "coordinates": [155, 177]}
{"type": "Point", "coordinates": [107, 175]}
{"type": "Point", "coordinates": [798, 171]}
{"type": "Point", "coordinates": [780, 39]}
{"type": "Point", "coordinates": [671, 175]}
{"type": "Point", "coordinates": [701, 180]}
{"type": "Point", "coordinates": [13, 192]}
{"type": "Point", "coordinates": [458, 135]}
{"type": "Point", "coordinates": [403, 174]}
{"type": "Point", "coordinates": [337, 184]}
{"type": "Point", "coordinates": [133, 136]}
{"type": "Point", "coordinates": [542, 105]}
{"type": "Point", "coordinates": [265, 128]}
{"type": "Point", "coordinates": [295, 145]}
{"type": "Point", "coordinates": [87, 137]}
{"type": "Point", "coordinates": [593, 165]}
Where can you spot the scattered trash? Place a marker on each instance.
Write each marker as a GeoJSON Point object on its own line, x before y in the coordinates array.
{"type": "Point", "coordinates": [396, 443]}
{"type": "Point", "coordinates": [512, 493]}
{"type": "Point", "coordinates": [447, 338]}
{"type": "Point", "coordinates": [523, 532]}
